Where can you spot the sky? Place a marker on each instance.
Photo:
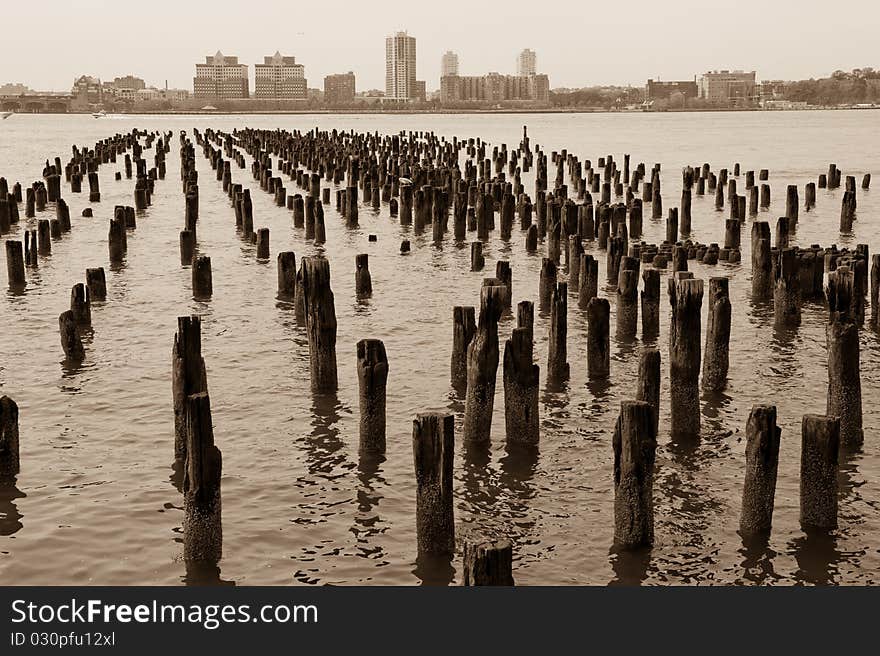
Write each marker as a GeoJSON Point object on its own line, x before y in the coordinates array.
{"type": "Point", "coordinates": [578, 43]}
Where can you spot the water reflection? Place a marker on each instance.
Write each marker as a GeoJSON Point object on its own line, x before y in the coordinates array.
{"type": "Point", "coordinates": [518, 467]}
{"type": "Point", "coordinates": [434, 570]}
{"type": "Point", "coordinates": [630, 566]}
{"type": "Point", "coordinates": [324, 447]}
{"type": "Point", "coordinates": [203, 573]}
{"type": "Point", "coordinates": [10, 517]}
{"type": "Point", "coordinates": [817, 557]}
{"type": "Point", "coordinates": [757, 559]}
{"type": "Point", "coordinates": [367, 522]}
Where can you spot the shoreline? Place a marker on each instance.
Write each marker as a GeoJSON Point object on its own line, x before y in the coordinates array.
{"type": "Point", "coordinates": [579, 110]}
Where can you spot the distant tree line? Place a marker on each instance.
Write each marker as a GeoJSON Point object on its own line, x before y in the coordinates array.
{"type": "Point", "coordinates": [861, 85]}
{"type": "Point", "coordinates": [599, 97]}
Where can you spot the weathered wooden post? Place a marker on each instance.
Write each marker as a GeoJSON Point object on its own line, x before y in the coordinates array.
{"type": "Point", "coordinates": [820, 444]}
{"type": "Point", "coordinates": [765, 196]}
{"type": "Point", "coordinates": [44, 237]}
{"type": "Point", "coordinates": [187, 247]}
{"type": "Point", "coordinates": [520, 389]}
{"type": "Point", "coordinates": [372, 369]}
{"type": "Point", "coordinates": [762, 461]}
{"type": "Point", "coordinates": [650, 298]}
{"type": "Point", "coordinates": [463, 330]}
{"type": "Point", "coordinates": [487, 562]}
{"type": "Point", "coordinates": [635, 443]}
{"type": "Point", "coordinates": [685, 299]}
{"type": "Point", "coordinates": [477, 259]}
{"type": "Point", "coordinates": [320, 315]}
{"type": "Point", "coordinates": [117, 240]}
{"type": "Point", "coordinates": [547, 282]}
{"type": "Point", "coordinates": [588, 285]}
{"type": "Point", "coordinates": [202, 283]}
{"type": "Point", "coordinates": [648, 382]}
{"type": "Point", "coordinates": [786, 290]}
{"type": "Point", "coordinates": [762, 264]}
{"type": "Point", "coordinates": [202, 526]}
{"type": "Point", "coordinates": [791, 205]}
{"type": "Point", "coordinates": [70, 339]}
{"type": "Point", "coordinates": [94, 190]}
{"type": "Point", "coordinates": [482, 365]}
{"type": "Point", "coordinates": [628, 298]}
{"type": "Point", "coordinates": [504, 275]}
{"type": "Point", "coordinates": [80, 305]}
{"type": "Point", "coordinates": [363, 282]}
{"type": "Point", "coordinates": [188, 376]}
{"type": "Point", "coordinates": [557, 348]}
{"type": "Point", "coordinates": [875, 290]}
{"type": "Point", "coordinates": [433, 448]}
{"type": "Point", "coordinates": [844, 376]}
{"type": "Point", "coordinates": [287, 274]}
{"type": "Point", "coordinates": [9, 438]}
{"type": "Point", "coordinates": [15, 265]}
{"type": "Point", "coordinates": [262, 238]}
{"type": "Point", "coordinates": [598, 340]}
{"type": "Point", "coordinates": [732, 233]}
{"type": "Point", "coordinates": [717, 360]}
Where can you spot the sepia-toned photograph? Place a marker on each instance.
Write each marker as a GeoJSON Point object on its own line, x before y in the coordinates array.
{"type": "Point", "coordinates": [388, 294]}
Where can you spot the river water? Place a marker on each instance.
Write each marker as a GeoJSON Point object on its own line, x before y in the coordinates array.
{"type": "Point", "coordinates": [95, 504]}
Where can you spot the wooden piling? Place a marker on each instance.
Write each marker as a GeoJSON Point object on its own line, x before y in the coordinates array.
{"type": "Point", "coordinates": [557, 350]}
{"type": "Point", "coordinates": [15, 265]}
{"type": "Point", "coordinates": [10, 462]}
{"type": "Point", "coordinates": [762, 461]}
{"type": "Point", "coordinates": [372, 369]}
{"type": "Point", "coordinates": [320, 314]}
{"type": "Point", "coordinates": [786, 290]}
{"type": "Point", "coordinates": [635, 443]}
{"type": "Point", "coordinates": [433, 448]}
{"type": "Point", "coordinates": [71, 342]}
{"type": "Point", "coordinates": [716, 361]}
{"type": "Point", "coordinates": [287, 274]}
{"type": "Point", "coordinates": [598, 340]}
{"type": "Point", "coordinates": [820, 444]}
{"type": "Point", "coordinates": [202, 282]}
{"type": "Point", "coordinates": [762, 264]}
{"type": "Point", "coordinates": [487, 562]}
{"type": "Point", "coordinates": [685, 299]}
{"type": "Point", "coordinates": [188, 376]}
{"type": "Point", "coordinates": [81, 306]}
{"type": "Point", "coordinates": [202, 526]}
{"type": "Point", "coordinates": [463, 330]}
{"type": "Point", "coordinates": [648, 382]}
{"type": "Point", "coordinates": [520, 389]}
{"type": "Point", "coordinates": [482, 365]}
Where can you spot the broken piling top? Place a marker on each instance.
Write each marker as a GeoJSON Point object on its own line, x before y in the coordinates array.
{"type": "Point", "coordinates": [487, 562]}
{"type": "Point", "coordinates": [372, 360]}
{"type": "Point", "coordinates": [493, 295]}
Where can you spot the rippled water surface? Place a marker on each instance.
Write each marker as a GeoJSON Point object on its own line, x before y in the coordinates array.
{"type": "Point", "coordinates": [95, 503]}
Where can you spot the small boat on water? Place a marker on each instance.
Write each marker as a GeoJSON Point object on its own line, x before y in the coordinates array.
{"type": "Point", "coordinates": [6, 114]}
{"type": "Point", "coordinates": [100, 114]}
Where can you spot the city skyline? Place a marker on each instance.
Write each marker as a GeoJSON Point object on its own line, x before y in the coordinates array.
{"type": "Point", "coordinates": [698, 44]}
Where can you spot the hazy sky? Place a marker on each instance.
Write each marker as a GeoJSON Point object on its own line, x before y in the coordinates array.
{"type": "Point", "coordinates": [579, 43]}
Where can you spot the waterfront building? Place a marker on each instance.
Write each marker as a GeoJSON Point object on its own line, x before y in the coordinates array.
{"type": "Point", "coordinates": [279, 76]}
{"type": "Point", "coordinates": [221, 77]}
